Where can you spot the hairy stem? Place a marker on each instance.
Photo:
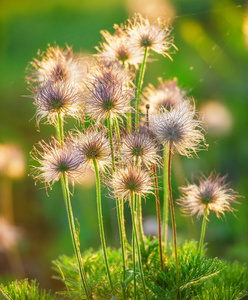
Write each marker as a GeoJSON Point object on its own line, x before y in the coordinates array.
{"type": "Point", "coordinates": [166, 200]}
{"type": "Point", "coordinates": [140, 83]}
{"type": "Point", "coordinates": [173, 220]}
{"type": "Point", "coordinates": [74, 236]}
{"type": "Point", "coordinates": [66, 194]}
{"type": "Point", "coordinates": [154, 169]}
{"type": "Point", "coordinates": [129, 119]}
{"type": "Point", "coordinates": [139, 220]}
{"type": "Point", "coordinates": [158, 216]}
{"type": "Point", "coordinates": [100, 221]}
{"type": "Point", "coordinates": [60, 129]}
{"type": "Point", "coordinates": [203, 230]}
{"type": "Point", "coordinates": [134, 268]}
{"type": "Point", "coordinates": [111, 142]}
{"type": "Point", "coordinates": [133, 213]}
{"type": "Point", "coordinates": [119, 202]}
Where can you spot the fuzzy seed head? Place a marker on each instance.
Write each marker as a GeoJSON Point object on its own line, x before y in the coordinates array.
{"type": "Point", "coordinates": [53, 98]}
{"type": "Point", "coordinates": [93, 145]}
{"type": "Point", "coordinates": [131, 181]}
{"type": "Point", "coordinates": [140, 147]}
{"type": "Point", "coordinates": [211, 193]}
{"type": "Point", "coordinates": [166, 95]}
{"type": "Point", "coordinates": [117, 48]}
{"type": "Point", "coordinates": [108, 93]}
{"type": "Point", "coordinates": [56, 160]}
{"type": "Point", "coordinates": [57, 64]}
{"type": "Point", "coordinates": [179, 128]}
{"type": "Point", "coordinates": [144, 34]}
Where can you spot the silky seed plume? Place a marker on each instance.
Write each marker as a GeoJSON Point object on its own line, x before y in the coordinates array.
{"type": "Point", "coordinates": [211, 193]}
{"type": "Point", "coordinates": [131, 180]}
{"type": "Point", "coordinates": [55, 160]}
{"type": "Point", "coordinates": [179, 128]}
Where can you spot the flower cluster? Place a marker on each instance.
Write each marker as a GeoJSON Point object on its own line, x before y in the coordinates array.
{"type": "Point", "coordinates": [123, 149]}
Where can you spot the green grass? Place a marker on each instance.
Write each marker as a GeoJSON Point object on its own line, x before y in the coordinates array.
{"type": "Point", "coordinates": [201, 277]}
{"type": "Point", "coordinates": [24, 290]}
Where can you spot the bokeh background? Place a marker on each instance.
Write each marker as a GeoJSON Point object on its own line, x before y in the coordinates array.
{"type": "Point", "coordinates": [211, 64]}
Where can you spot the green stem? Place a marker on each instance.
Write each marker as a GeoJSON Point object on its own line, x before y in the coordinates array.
{"type": "Point", "coordinates": [119, 202]}
{"type": "Point", "coordinates": [158, 216]}
{"type": "Point", "coordinates": [166, 200]}
{"type": "Point", "coordinates": [66, 194]}
{"type": "Point", "coordinates": [111, 142]}
{"type": "Point", "coordinates": [173, 220]}
{"type": "Point", "coordinates": [134, 268]}
{"type": "Point", "coordinates": [100, 221]}
{"type": "Point", "coordinates": [133, 213]}
{"type": "Point", "coordinates": [140, 83]}
{"type": "Point", "coordinates": [60, 129]}
{"type": "Point", "coordinates": [129, 119]}
{"type": "Point", "coordinates": [154, 170]}
{"type": "Point", "coordinates": [139, 220]}
{"type": "Point", "coordinates": [74, 237]}
{"type": "Point", "coordinates": [203, 230]}
{"type": "Point", "coordinates": [117, 130]}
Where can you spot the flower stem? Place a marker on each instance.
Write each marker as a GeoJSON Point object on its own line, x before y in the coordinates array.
{"type": "Point", "coordinates": [140, 83]}
{"type": "Point", "coordinates": [74, 237]}
{"type": "Point", "coordinates": [100, 221]}
{"type": "Point", "coordinates": [139, 220]}
{"type": "Point", "coordinates": [66, 194]}
{"type": "Point", "coordinates": [129, 119]}
{"type": "Point", "coordinates": [173, 220]}
{"type": "Point", "coordinates": [166, 200]}
{"type": "Point", "coordinates": [154, 169]}
{"type": "Point", "coordinates": [111, 142]}
{"type": "Point", "coordinates": [133, 213]}
{"type": "Point", "coordinates": [203, 230]}
{"type": "Point", "coordinates": [60, 129]}
{"type": "Point", "coordinates": [158, 216]}
{"type": "Point", "coordinates": [134, 268]}
{"type": "Point", "coordinates": [119, 202]}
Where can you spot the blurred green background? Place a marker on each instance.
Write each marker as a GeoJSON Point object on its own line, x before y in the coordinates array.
{"type": "Point", "coordinates": [211, 64]}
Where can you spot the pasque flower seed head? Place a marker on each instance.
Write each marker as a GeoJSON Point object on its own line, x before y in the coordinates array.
{"type": "Point", "coordinates": [108, 93]}
{"type": "Point", "coordinates": [57, 64]}
{"type": "Point", "coordinates": [166, 95]}
{"type": "Point", "coordinates": [211, 193]}
{"type": "Point", "coordinates": [179, 128]}
{"type": "Point", "coordinates": [93, 146]}
{"type": "Point", "coordinates": [131, 180]}
{"type": "Point", "coordinates": [55, 160]}
{"type": "Point", "coordinates": [53, 98]}
{"type": "Point", "coordinates": [140, 147]}
{"type": "Point", "coordinates": [144, 34]}
{"type": "Point", "coordinates": [117, 47]}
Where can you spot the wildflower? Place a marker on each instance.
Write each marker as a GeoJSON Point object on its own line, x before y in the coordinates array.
{"type": "Point", "coordinates": [108, 93]}
{"type": "Point", "coordinates": [166, 95]}
{"type": "Point", "coordinates": [55, 160]}
{"type": "Point", "coordinates": [117, 47]}
{"type": "Point", "coordinates": [211, 193]}
{"type": "Point", "coordinates": [178, 128]}
{"type": "Point", "coordinates": [140, 147]}
{"type": "Point", "coordinates": [131, 180]}
{"type": "Point", "coordinates": [94, 146]}
{"type": "Point", "coordinates": [155, 36]}
{"type": "Point", "coordinates": [57, 64]}
{"type": "Point", "coordinates": [53, 98]}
